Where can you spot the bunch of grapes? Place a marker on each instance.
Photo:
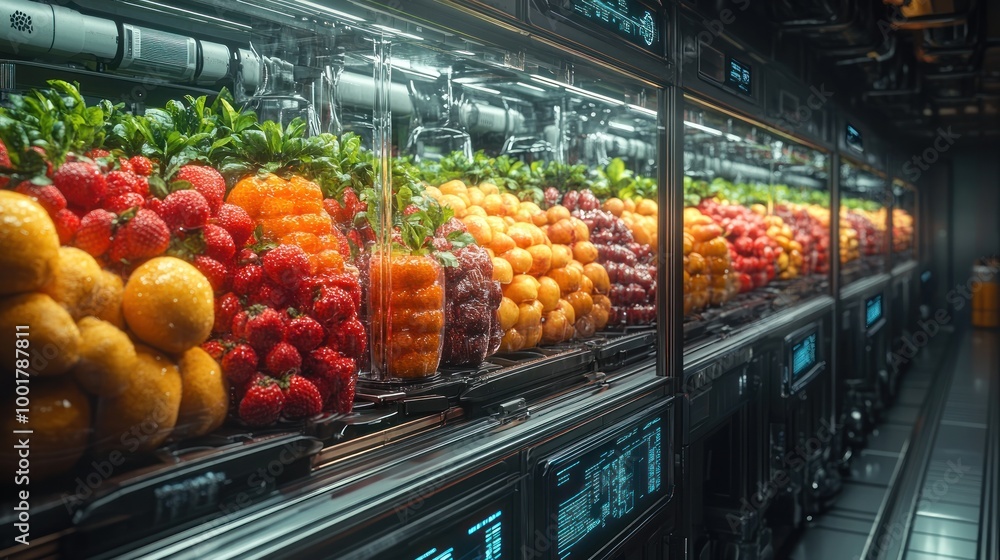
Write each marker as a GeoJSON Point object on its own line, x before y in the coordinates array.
{"type": "Point", "coordinates": [629, 264]}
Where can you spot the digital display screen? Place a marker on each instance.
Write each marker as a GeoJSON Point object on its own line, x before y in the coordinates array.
{"type": "Point", "coordinates": [738, 76]}
{"type": "Point", "coordinates": [804, 355]}
{"type": "Point", "coordinates": [873, 310]}
{"type": "Point", "coordinates": [635, 21]}
{"type": "Point", "coordinates": [854, 139]}
{"type": "Point", "coordinates": [483, 535]}
{"type": "Point", "coordinates": [597, 493]}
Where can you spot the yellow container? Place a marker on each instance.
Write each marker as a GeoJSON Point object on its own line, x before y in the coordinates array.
{"type": "Point", "coordinates": [986, 299]}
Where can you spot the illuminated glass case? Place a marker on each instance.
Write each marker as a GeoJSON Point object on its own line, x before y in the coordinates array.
{"type": "Point", "coordinates": [756, 222]}
{"type": "Point", "coordinates": [864, 202]}
{"type": "Point", "coordinates": [904, 222]}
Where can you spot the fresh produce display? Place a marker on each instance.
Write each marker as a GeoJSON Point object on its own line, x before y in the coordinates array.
{"type": "Point", "coordinates": [902, 230]}
{"type": "Point", "coordinates": [709, 277]}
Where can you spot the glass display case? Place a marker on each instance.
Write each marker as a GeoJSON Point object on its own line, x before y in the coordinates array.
{"type": "Point", "coordinates": [756, 222]}
{"type": "Point", "coordinates": [864, 203]}
{"type": "Point", "coordinates": [904, 226]}
{"type": "Point", "coordinates": [288, 226]}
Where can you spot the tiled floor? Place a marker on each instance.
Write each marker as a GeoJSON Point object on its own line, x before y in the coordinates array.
{"type": "Point", "coordinates": [945, 522]}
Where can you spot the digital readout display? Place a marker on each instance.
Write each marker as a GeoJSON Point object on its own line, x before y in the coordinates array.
{"type": "Point", "coordinates": [873, 310]}
{"type": "Point", "coordinates": [804, 355]}
{"type": "Point", "coordinates": [738, 76]}
{"type": "Point", "coordinates": [853, 139]}
{"type": "Point", "coordinates": [479, 536]}
{"type": "Point", "coordinates": [599, 492]}
{"type": "Point", "coordinates": [633, 20]}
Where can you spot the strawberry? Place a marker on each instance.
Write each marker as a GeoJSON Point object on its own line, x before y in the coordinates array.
{"type": "Point", "coordinates": [216, 272]}
{"type": "Point", "coordinates": [226, 307]}
{"type": "Point", "coordinates": [239, 364]}
{"type": "Point", "coordinates": [271, 295]}
{"type": "Point", "coordinates": [214, 348]}
{"type": "Point", "coordinates": [262, 403]}
{"type": "Point", "coordinates": [95, 231]}
{"type": "Point", "coordinates": [248, 279]}
{"type": "Point", "coordinates": [125, 165]}
{"type": "Point", "coordinates": [326, 363]}
{"type": "Point", "coordinates": [154, 204]}
{"type": "Point", "coordinates": [67, 223]}
{"type": "Point", "coordinates": [4, 157]}
{"type": "Point", "coordinates": [336, 375]}
{"type": "Point", "coordinates": [342, 400]}
{"type": "Point", "coordinates": [410, 210]}
{"type": "Point", "coordinates": [141, 165]}
{"type": "Point", "coordinates": [247, 256]}
{"type": "Point", "coordinates": [348, 338]}
{"type": "Point", "coordinates": [352, 204]}
{"type": "Point", "coordinates": [304, 333]}
{"type": "Point", "coordinates": [206, 181]}
{"type": "Point", "coordinates": [307, 292]}
{"type": "Point", "coordinates": [343, 247]}
{"type": "Point", "coordinates": [333, 306]}
{"type": "Point", "coordinates": [302, 398]}
{"type": "Point", "coordinates": [119, 183]}
{"type": "Point", "coordinates": [335, 210]}
{"type": "Point", "coordinates": [239, 326]}
{"type": "Point", "coordinates": [96, 153]}
{"type": "Point", "coordinates": [119, 204]}
{"type": "Point", "coordinates": [283, 359]}
{"type": "Point", "coordinates": [349, 284]}
{"type": "Point", "coordinates": [286, 265]}
{"type": "Point", "coordinates": [141, 186]}
{"type": "Point", "coordinates": [81, 183]}
{"type": "Point", "coordinates": [265, 329]}
{"type": "Point", "coordinates": [218, 243]}
{"type": "Point", "coordinates": [186, 209]}
{"type": "Point", "coordinates": [144, 236]}
{"type": "Point", "coordinates": [236, 221]}
{"type": "Point", "coordinates": [48, 196]}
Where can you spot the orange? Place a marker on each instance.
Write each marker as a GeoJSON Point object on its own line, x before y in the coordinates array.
{"type": "Point", "coordinates": [107, 358]}
{"type": "Point", "coordinates": [168, 304]}
{"type": "Point", "coordinates": [646, 207]}
{"type": "Point", "coordinates": [488, 188]}
{"type": "Point", "coordinates": [75, 279]}
{"type": "Point", "coordinates": [521, 234]}
{"type": "Point", "coordinates": [557, 213]}
{"type": "Point", "coordinates": [502, 271]}
{"type": "Point", "coordinates": [581, 302]}
{"type": "Point", "coordinates": [529, 314]}
{"type": "Point", "coordinates": [541, 259]}
{"type": "Point", "coordinates": [567, 277]}
{"type": "Point", "coordinates": [510, 204]}
{"type": "Point", "coordinates": [580, 231]}
{"type": "Point", "coordinates": [204, 395]}
{"type": "Point", "coordinates": [598, 276]}
{"type": "Point", "coordinates": [30, 244]}
{"type": "Point", "coordinates": [501, 242]}
{"type": "Point", "coordinates": [561, 255]}
{"type": "Point", "coordinates": [614, 205]}
{"type": "Point", "coordinates": [412, 272]}
{"type": "Point", "coordinates": [548, 293]}
{"type": "Point", "coordinates": [479, 229]}
{"type": "Point", "coordinates": [476, 196]}
{"type": "Point", "coordinates": [522, 288]}
{"type": "Point", "coordinates": [508, 313]}
{"type": "Point", "coordinates": [532, 336]}
{"type": "Point", "coordinates": [54, 337]}
{"type": "Point", "coordinates": [60, 420]}
{"type": "Point", "coordinates": [586, 285]}
{"type": "Point", "coordinates": [433, 192]}
{"type": "Point", "coordinates": [497, 224]}
{"type": "Point", "coordinates": [475, 211]}
{"type": "Point", "coordinates": [512, 341]}
{"type": "Point", "coordinates": [555, 327]}
{"type": "Point", "coordinates": [142, 417]}
{"type": "Point", "coordinates": [585, 327]}
{"type": "Point", "coordinates": [519, 259]}
{"type": "Point", "coordinates": [493, 205]}
{"type": "Point", "coordinates": [585, 252]}
{"type": "Point", "coordinates": [453, 187]}
{"type": "Point", "coordinates": [561, 232]}
{"type": "Point", "coordinates": [568, 310]}
{"type": "Point", "coordinates": [600, 313]}
{"type": "Point", "coordinates": [455, 203]}
{"type": "Point", "coordinates": [629, 205]}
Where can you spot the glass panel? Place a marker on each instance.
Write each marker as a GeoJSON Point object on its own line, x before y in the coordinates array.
{"type": "Point", "coordinates": [863, 222]}
{"type": "Point", "coordinates": [904, 227]}
{"type": "Point", "coordinates": [756, 222]}
{"type": "Point", "coordinates": [552, 190]}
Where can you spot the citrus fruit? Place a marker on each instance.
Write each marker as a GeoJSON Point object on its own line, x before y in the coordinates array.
{"type": "Point", "coordinates": [168, 304]}
{"type": "Point", "coordinates": [60, 423]}
{"type": "Point", "coordinates": [204, 394]}
{"type": "Point", "coordinates": [29, 244]}
{"type": "Point", "coordinates": [107, 358]}
{"type": "Point", "coordinates": [75, 281]}
{"type": "Point", "coordinates": [53, 338]}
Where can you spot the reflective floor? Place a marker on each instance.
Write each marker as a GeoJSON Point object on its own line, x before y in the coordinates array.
{"type": "Point", "coordinates": [939, 517]}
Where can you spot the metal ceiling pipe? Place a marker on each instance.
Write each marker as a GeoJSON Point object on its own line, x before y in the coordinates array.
{"type": "Point", "coordinates": [926, 22]}
{"type": "Point", "coordinates": [877, 58]}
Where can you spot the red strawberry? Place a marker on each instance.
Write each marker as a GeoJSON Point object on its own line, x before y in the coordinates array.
{"type": "Point", "coordinates": [302, 399]}
{"type": "Point", "coordinates": [236, 221]}
{"type": "Point", "coordinates": [141, 165]}
{"type": "Point", "coordinates": [94, 233]}
{"type": "Point", "coordinates": [226, 307]}
{"type": "Point", "coordinates": [333, 306]}
{"type": "Point", "coordinates": [141, 186]}
{"type": "Point", "coordinates": [248, 279]}
{"type": "Point", "coordinates": [304, 333]}
{"type": "Point", "coordinates": [283, 359]}
{"type": "Point", "coordinates": [334, 209]}
{"type": "Point", "coordinates": [352, 204]}
{"type": "Point", "coordinates": [125, 165]}
{"type": "Point", "coordinates": [214, 348]}
{"type": "Point", "coordinates": [271, 295]}
{"type": "Point", "coordinates": [264, 330]}
{"type": "Point", "coordinates": [239, 326]}
{"type": "Point", "coordinates": [342, 400]}
{"type": "Point", "coordinates": [216, 272]}
{"type": "Point", "coordinates": [144, 236]}
{"type": "Point", "coordinates": [247, 256]}
{"type": "Point", "coordinates": [47, 195]}
{"type": "Point", "coordinates": [96, 153]}
{"type": "Point", "coordinates": [206, 181]}
{"type": "Point", "coordinates": [349, 284]}
{"type": "Point", "coordinates": [154, 204]}
{"type": "Point", "coordinates": [218, 243]}
{"type": "Point", "coordinates": [343, 247]}
{"type": "Point", "coordinates": [67, 223]}
{"type": "Point", "coordinates": [326, 363]}
{"type": "Point", "coordinates": [119, 204]}
{"type": "Point", "coordinates": [348, 338]}
{"type": "Point", "coordinates": [336, 375]}
{"type": "Point", "coordinates": [239, 364]}
{"type": "Point", "coordinates": [4, 157]}
{"type": "Point", "coordinates": [119, 183]}
{"type": "Point", "coordinates": [81, 183]}
{"type": "Point", "coordinates": [186, 209]}
{"type": "Point", "coordinates": [410, 210]}
{"type": "Point", "coordinates": [262, 403]}
{"type": "Point", "coordinates": [307, 292]}
{"type": "Point", "coordinates": [287, 265]}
